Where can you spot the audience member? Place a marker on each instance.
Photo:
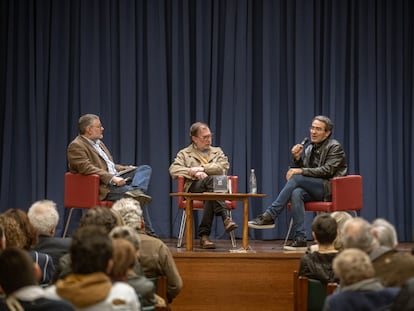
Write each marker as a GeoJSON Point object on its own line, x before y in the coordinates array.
{"type": "Point", "coordinates": [13, 234]}
{"type": "Point", "coordinates": [309, 179]}
{"type": "Point", "coordinates": [87, 154]}
{"type": "Point", "coordinates": [340, 218]}
{"type": "Point", "coordinates": [42, 259]}
{"type": "Point", "coordinates": [18, 279]}
{"type": "Point", "coordinates": [197, 162]}
{"type": "Point", "coordinates": [44, 217]}
{"type": "Point", "coordinates": [89, 287]}
{"type": "Point", "coordinates": [391, 266]}
{"type": "Point", "coordinates": [155, 257]}
{"type": "Point", "coordinates": [405, 299]}
{"type": "Point", "coordinates": [135, 276]}
{"type": "Point", "coordinates": [359, 289]}
{"type": "Point", "coordinates": [99, 216]}
{"type": "Point", "coordinates": [385, 233]}
{"type": "Point", "coordinates": [318, 265]}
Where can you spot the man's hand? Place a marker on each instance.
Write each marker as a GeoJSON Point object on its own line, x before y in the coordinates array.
{"type": "Point", "coordinates": [297, 151]}
{"type": "Point", "coordinates": [118, 181]}
{"type": "Point", "coordinates": [293, 171]}
{"type": "Point", "coordinates": [200, 175]}
{"type": "Point", "coordinates": [192, 171]}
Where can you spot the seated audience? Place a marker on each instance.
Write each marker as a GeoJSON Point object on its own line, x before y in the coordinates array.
{"type": "Point", "coordinates": [405, 299]}
{"type": "Point", "coordinates": [89, 287]}
{"type": "Point", "coordinates": [385, 233]}
{"type": "Point", "coordinates": [359, 290]}
{"type": "Point", "coordinates": [42, 259]}
{"type": "Point", "coordinates": [18, 279]}
{"type": "Point", "coordinates": [100, 216]}
{"type": "Point", "coordinates": [155, 257]}
{"type": "Point", "coordinates": [44, 216]}
{"type": "Point", "coordinates": [391, 266]}
{"type": "Point", "coordinates": [135, 277]}
{"type": "Point", "coordinates": [318, 265]}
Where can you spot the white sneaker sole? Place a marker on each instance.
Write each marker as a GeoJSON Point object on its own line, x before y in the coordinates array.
{"type": "Point", "coordinates": [252, 225]}
{"type": "Point", "coordinates": [297, 249]}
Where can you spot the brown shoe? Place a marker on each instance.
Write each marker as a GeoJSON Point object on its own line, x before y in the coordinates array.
{"type": "Point", "coordinates": [138, 195]}
{"type": "Point", "coordinates": [229, 224]}
{"type": "Point", "coordinates": [205, 242]}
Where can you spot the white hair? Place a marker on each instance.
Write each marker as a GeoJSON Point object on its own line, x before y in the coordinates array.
{"type": "Point", "coordinates": [130, 211]}
{"type": "Point", "coordinates": [43, 216]}
{"type": "Point", "coordinates": [385, 233]}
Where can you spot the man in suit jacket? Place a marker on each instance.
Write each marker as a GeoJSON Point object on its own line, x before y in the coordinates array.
{"type": "Point", "coordinates": [44, 217]}
{"type": "Point", "coordinates": [87, 154]}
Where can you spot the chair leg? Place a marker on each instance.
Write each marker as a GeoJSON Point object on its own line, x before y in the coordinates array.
{"type": "Point", "coordinates": [68, 222]}
{"type": "Point", "coordinates": [290, 228]}
{"type": "Point", "coordinates": [181, 232]}
{"type": "Point", "coordinates": [232, 236]}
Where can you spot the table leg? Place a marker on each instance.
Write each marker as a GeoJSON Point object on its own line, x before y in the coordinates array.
{"type": "Point", "coordinates": [245, 225]}
{"type": "Point", "coordinates": [189, 224]}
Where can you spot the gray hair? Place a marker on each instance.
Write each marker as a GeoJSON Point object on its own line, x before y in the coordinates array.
{"type": "Point", "coordinates": [328, 122]}
{"type": "Point", "coordinates": [130, 211]}
{"type": "Point", "coordinates": [195, 127]}
{"type": "Point", "coordinates": [352, 265]}
{"type": "Point", "coordinates": [43, 216]}
{"type": "Point", "coordinates": [341, 218]}
{"type": "Point", "coordinates": [357, 233]}
{"type": "Point", "coordinates": [385, 233]}
{"type": "Point", "coordinates": [127, 233]}
{"type": "Point", "coordinates": [85, 121]}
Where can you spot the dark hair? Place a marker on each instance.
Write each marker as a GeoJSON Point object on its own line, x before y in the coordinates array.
{"type": "Point", "coordinates": [16, 270]}
{"type": "Point", "coordinates": [91, 250]}
{"type": "Point", "coordinates": [325, 228]}
{"type": "Point", "coordinates": [85, 121]}
{"type": "Point", "coordinates": [30, 232]}
{"type": "Point", "coordinates": [101, 216]}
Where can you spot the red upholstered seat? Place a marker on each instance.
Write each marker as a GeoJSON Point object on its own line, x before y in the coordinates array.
{"type": "Point", "coordinates": [81, 191]}
{"type": "Point", "coordinates": [346, 197]}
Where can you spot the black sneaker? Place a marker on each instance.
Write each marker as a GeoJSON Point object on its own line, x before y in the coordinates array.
{"type": "Point", "coordinates": [296, 245]}
{"type": "Point", "coordinates": [264, 221]}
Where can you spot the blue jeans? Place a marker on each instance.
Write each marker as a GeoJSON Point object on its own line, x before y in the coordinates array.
{"type": "Point", "coordinates": [140, 180]}
{"type": "Point", "coordinates": [298, 190]}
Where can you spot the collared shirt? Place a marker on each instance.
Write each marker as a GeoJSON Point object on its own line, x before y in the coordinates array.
{"type": "Point", "coordinates": [109, 163]}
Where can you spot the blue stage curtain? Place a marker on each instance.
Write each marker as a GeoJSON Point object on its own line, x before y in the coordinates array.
{"type": "Point", "coordinates": [256, 71]}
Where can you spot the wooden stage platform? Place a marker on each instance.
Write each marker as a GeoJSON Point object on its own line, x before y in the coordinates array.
{"type": "Point", "coordinates": [221, 280]}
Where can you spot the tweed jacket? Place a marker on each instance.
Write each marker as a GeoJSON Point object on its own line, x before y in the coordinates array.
{"type": "Point", "coordinates": [84, 159]}
{"type": "Point", "coordinates": [188, 157]}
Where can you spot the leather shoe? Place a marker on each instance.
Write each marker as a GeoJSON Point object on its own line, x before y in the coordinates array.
{"type": "Point", "coordinates": [205, 242]}
{"type": "Point", "coordinates": [138, 195]}
{"type": "Point", "coordinates": [229, 224]}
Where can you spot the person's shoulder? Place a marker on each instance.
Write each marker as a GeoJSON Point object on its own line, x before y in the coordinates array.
{"type": "Point", "coordinates": [216, 149]}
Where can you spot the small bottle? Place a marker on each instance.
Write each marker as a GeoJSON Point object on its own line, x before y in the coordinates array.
{"type": "Point", "coordinates": [252, 182]}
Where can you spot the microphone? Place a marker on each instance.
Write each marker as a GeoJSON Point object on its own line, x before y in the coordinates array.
{"type": "Point", "coordinates": [304, 141]}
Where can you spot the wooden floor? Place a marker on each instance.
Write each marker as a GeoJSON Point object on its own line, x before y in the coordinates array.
{"type": "Point", "coordinates": [230, 279]}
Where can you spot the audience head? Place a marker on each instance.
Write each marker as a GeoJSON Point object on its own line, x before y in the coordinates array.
{"type": "Point", "coordinates": [385, 233]}
{"type": "Point", "coordinates": [131, 212]}
{"type": "Point", "coordinates": [352, 265]}
{"type": "Point", "coordinates": [357, 233]}
{"type": "Point", "coordinates": [324, 229]}
{"type": "Point", "coordinates": [32, 236]}
{"type": "Point", "coordinates": [124, 258]}
{"type": "Point", "coordinates": [17, 270]}
{"type": "Point", "coordinates": [44, 216]}
{"type": "Point", "coordinates": [91, 250]}
{"type": "Point", "coordinates": [100, 216]}
{"type": "Point", "coordinates": [127, 233]}
{"type": "Point", "coordinates": [13, 234]}
{"type": "Point", "coordinates": [340, 218]}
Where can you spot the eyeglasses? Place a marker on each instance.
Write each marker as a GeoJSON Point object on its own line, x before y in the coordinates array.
{"type": "Point", "coordinates": [97, 126]}
{"type": "Point", "coordinates": [316, 129]}
{"type": "Point", "coordinates": [206, 137]}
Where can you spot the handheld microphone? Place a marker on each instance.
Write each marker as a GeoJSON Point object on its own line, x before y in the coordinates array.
{"type": "Point", "coordinates": [304, 141]}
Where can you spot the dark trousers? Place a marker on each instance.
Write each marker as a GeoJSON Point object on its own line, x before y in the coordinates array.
{"type": "Point", "coordinates": [211, 208]}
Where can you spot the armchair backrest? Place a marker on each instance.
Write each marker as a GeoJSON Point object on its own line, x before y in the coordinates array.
{"type": "Point", "coordinates": [347, 193]}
